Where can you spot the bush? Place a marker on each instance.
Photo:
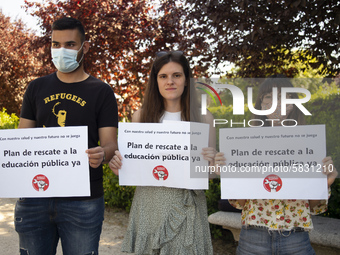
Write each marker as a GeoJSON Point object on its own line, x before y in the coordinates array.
{"type": "Point", "coordinates": [325, 109]}
{"type": "Point", "coordinates": [8, 121]}
{"type": "Point", "coordinates": [213, 195]}
{"type": "Point", "coordinates": [115, 195]}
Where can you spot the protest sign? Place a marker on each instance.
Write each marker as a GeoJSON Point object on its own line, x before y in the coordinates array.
{"type": "Point", "coordinates": [44, 162]}
{"type": "Point", "coordinates": [274, 163]}
{"type": "Point", "coordinates": [163, 154]}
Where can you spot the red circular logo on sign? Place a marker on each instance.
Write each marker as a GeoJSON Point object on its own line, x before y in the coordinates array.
{"type": "Point", "coordinates": [160, 173]}
{"type": "Point", "coordinates": [272, 183]}
{"type": "Point", "coordinates": [40, 182]}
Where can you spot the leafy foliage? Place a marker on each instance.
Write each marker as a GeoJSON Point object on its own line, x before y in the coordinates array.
{"type": "Point", "coordinates": [8, 121]}
{"type": "Point", "coordinates": [252, 34]}
{"type": "Point", "coordinates": [256, 36]}
{"type": "Point", "coordinates": [115, 195]}
{"type": "Point", "coordinates": [18, 63]}
{"type": "Point", "coordinates": [325, 107]}
{"type": "Point", "coordinates": [213, 195]}
{"type": "Point", "coordinates": [334, 201]}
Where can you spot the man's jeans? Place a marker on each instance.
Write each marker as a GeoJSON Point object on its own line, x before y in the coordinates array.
{"type": "Point", "coordinates": [40, 222]}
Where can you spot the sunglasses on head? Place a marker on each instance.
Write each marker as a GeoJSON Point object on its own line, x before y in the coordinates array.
{"type": "Point", "coordinates": [163, 53]}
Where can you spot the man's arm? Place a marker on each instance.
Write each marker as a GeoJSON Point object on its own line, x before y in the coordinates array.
{"type": "Point", "coordinates": [26, 123]}
{"type": "Point", "coordinates": [108, 145]}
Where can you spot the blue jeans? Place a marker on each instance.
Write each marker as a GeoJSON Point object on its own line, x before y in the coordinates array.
{"type": "Point", "coordinates": [40, 222]}
{"type": "Point", "coordinates": [260, 240]}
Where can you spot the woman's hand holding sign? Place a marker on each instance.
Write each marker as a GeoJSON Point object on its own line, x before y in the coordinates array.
{"type": "Point", "coordinates": [329, 170]}
{"type": "Point", "coordinates": [209, 154]}
{"type": "Point", "coordinates": [219, 160]}
{"type": "Point", "coordinates": [116, 162]}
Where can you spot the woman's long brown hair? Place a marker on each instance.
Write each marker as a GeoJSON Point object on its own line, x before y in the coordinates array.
{"type": "Point", "coordinates": [153, 105]}
{"type": "Point", "coordinates": [279, 81]}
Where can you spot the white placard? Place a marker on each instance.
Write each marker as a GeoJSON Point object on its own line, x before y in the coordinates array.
{"type": "Point", "coordinates": [274, 163]}
{"type": "Point", "coordinates": [163, 154]}
{"type": "Point", "coordinates": [44, 162]}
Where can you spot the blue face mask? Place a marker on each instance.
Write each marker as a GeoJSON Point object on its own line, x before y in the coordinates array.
{"type": "Point", "coordinates": [65, 60]}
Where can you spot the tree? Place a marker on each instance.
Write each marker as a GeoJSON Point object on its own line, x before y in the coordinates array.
{"type": "Point", "coordinates": [124, 36]}
{"type": "Point", "coordinates": [252, 34]}
{"type": "Point", "coordinates": [18, 63]}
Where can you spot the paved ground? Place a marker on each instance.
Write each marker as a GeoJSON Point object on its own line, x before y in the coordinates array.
{"type": "Point", "coordinates": [113, 230]}
{"type": "Point", "coordinates": [114, 227]}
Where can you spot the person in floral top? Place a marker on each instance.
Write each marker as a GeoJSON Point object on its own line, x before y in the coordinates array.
{"type": "Point", "coordinates": [274, 226]}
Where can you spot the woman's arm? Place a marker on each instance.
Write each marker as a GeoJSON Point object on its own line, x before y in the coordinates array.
{"type": "Point", "coordinates": [116, 162]}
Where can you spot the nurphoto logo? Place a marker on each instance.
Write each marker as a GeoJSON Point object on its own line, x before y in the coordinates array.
{"type": "Point", "coordinates": [280, 100]}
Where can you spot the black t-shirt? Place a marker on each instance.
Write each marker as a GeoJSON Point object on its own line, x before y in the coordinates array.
{"type": "Point", "coordinates": [92, 103]}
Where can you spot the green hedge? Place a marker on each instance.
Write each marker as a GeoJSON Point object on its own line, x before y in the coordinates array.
{"type": "Point", "coordinates": [8, 121]}
{"type": "Point", "coordinates": [213, 195]}
{"type": "Point", "coordinates": [325, 109]}
{"type": "Point", "coordinates": [115, 195]}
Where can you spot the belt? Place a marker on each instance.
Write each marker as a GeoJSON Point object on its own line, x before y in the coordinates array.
{"type": "Point", "coordinates": [298, 229]}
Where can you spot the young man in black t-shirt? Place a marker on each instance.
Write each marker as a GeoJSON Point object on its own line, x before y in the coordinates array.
{"type": "Point", "coordinates": [69, 97]}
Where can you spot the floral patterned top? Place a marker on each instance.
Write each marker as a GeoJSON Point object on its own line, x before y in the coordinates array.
{"type": "Point", "coordinates": [276, 214]}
